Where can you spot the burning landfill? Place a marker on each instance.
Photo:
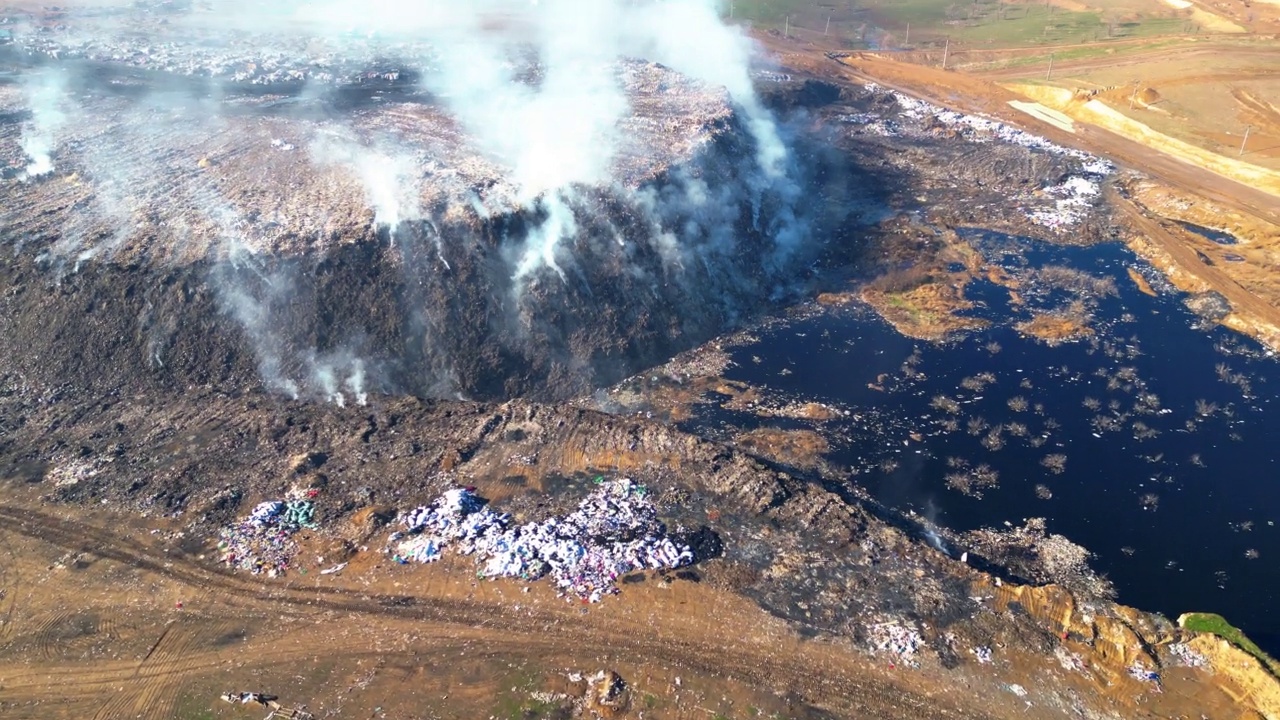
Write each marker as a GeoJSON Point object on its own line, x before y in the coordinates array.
{"type": "Point", "coordinates": [471, 202]}
{"type": "Point", "coordinates": [614, 531]}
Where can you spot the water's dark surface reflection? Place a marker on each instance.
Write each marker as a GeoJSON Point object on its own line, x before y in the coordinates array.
{"type": "Point", "coordinates": [1170, 473]}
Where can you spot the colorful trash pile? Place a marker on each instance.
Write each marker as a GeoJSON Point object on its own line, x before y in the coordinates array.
{"type": "Point", "coordinates": [263, 542]}
{"type": "Point", "coordinates": [614, 531]}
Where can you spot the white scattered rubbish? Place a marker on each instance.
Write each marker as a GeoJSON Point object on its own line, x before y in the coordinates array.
{"type": "Point", "coordinates": [334, 569]}
{"type": "Point", "coordinates": [1187, 656]}
{"type": "Point", "coordinates": [71, 472]}
{"type": "Point", "coordinates": [1068, 660]}
{"type": "Point", "coordinates": [1072, 197]}
{"type": "Point", "coordinates": [615, 530]}
{"type": "Point", "coordinates": [770, 76]}
{"type": "Point", "coordinates": [1018, 690]}
{"type": "Point", "coordinates": [983, 653]}
{"type": "Point", "coordinates": [895, 639]}
{"type": "Point", "coordinates": [1138, 672]}
{"type": "Point", "coordinates": [244, 698]}
{"type": "Point", "coordinates": [1072, 200]}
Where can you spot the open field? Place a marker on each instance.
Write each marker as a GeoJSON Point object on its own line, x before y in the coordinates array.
{"type": "Point", "coordinates": [918, 24]}
{"type": "Point", "coordinates": [1206, 97]}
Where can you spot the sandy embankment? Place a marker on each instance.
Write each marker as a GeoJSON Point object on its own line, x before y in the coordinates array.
{"type": "Point", "coordinates": [1207, 20]}
{"type": "Point", "coordinates": [1096, 112]}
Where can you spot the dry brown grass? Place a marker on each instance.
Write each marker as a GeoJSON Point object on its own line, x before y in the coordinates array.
{"type": "Point", "coordinates": [1144, 287]}
{"type": "Point", "coordinates": [926, 311]}
{"type": "Point", "coordinates": [798, 448]}
{"type": "Point", "coordinates": [1055, 328]}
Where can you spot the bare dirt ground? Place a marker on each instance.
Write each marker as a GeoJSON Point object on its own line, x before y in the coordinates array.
{"type": "Point", "coordinates": [102, 620]}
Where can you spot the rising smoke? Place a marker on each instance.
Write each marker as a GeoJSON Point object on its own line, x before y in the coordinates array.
{"type": "Point", "coordinates": [46, 92]}
{"type": "Point", "coordinates": [538, 89]}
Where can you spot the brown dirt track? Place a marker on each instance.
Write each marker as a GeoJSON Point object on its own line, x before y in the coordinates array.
{"type": "Point", "coordinates": [93, 629]}
{"type": "Point", "coordinates": [141, 655]}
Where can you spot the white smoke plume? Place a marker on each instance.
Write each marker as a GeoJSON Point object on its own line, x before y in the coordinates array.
{"type": "Point", "coordinates": [46, 93]}
{"type": "Point", "coordinates": [389, 177]}
{"type": "Point", "coordinates": [535, 97]}
{"type": "Point", "coordinates": [558, 130]}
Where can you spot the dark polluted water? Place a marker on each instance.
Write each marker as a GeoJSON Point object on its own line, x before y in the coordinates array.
{"type": "Point", "coordinates": [1152, 444]}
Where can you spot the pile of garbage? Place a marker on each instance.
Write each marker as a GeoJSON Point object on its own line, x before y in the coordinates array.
{"type": "Point", "coordinates": [981, 129]}
{"type": "Point", "coordinates": [1187, 656]}
{"type": "Point", "coordinates": [615, 530]}
{"type": "Point", "coordinates": [1072, 198]}
{"type": "Point", "coordinates": [895, 639]}
{"type": "Point", "coordinates": [263, 542]}
{"type": "Point", "coordinates": [1138, 672]}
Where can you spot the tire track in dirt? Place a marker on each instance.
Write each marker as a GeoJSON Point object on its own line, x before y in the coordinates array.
{"type": "Point", "coordinates": [140, 697]}
{"type": "Point", "coordinates": [10, 586]}
{"type": "Point", "coordinates": [484, 623]}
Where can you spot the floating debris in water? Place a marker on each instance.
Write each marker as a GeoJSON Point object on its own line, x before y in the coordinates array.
{"type": "Point", "coordinates": [1056, 463]}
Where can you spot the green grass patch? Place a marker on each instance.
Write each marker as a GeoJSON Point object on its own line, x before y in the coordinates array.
{"type": "Point", "coordinates": [982, 23]}
{"type": "Point", "coordinates": [1218, 625]}
{"type": "Point", "coordinates": [193, 706]}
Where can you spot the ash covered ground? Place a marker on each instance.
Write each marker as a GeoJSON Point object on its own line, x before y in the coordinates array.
{"type": "Point", "coordinates": [307, 255]}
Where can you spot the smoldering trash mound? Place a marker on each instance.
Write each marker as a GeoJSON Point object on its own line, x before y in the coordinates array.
{"type": "Point", "coordinates": [363, 241]}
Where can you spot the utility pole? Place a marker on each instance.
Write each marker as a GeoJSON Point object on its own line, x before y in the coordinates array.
{"type": "Point", "coordinates": [828, 28]}
{"type": "Point", "coordinates": [1247, 128]}
{"type": "Point", "coordinates": [1134, 96]}
{"type": "Point", "coordinates": [946, 49]}
{"type": "Point", "coordinates": [786, 28]}
{"type": "Point", "coordinates": [907, 41]}
{"type": "Point", "coordinates": [1049, 75]}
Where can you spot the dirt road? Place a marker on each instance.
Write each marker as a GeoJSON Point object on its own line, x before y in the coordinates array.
{"type": "Point", "coordinates": [132, 652]}
{"type": "Point", "coordinates": [972, 94]}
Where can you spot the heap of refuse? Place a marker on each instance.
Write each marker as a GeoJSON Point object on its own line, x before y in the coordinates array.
{"type": "Point", "coordinates": [1072, 199]}
{"type": "Point", "coordinates": [1186, 656]}
{"type": "Point", "coordinates": [895, 639]}
{"type": "Point", "coordinates": [263, 542]}
{"type": "Point", "coordinates": [615, 530]}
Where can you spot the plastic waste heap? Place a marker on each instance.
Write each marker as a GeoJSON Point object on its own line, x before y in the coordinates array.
{"type": "Point", "coordinates": [615, 530]}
